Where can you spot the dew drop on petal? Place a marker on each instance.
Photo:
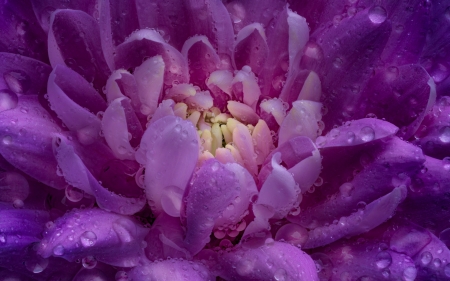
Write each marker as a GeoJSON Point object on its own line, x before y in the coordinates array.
{"type": "Point", "coordinates": [36, 264]}
{"type": "Point", "coordinates": [74, 194]}
{"type": "Point", "coordinates": [447, 270]}
{"type": "Point", "coordinates": [58, 250]}
{"type": "Point", "coordinates": [437, 262]}
{"type": "Point", "coordinates": [410, 273]}
{"type": "Point", "coordinates": [121, 276]}
{"type": "Point", "coordinates": [89, 262]}
{"type": "Point", "coordinates": [346, 189]}
{"type": "Point", "coordinates": [7, 140]}
{"type": "Point", "coordinates": [350, 137]}
{"type": "Point", "coordinates": [88, 239]}
{"type": "Point", "coordinates": [18, 81]}
{"type": "Point", "coordinates": [367, 134]}
{"type": "Point", "coordinates": [280, 274]}
{"type": "Point", "coordinates": [425, 258]}
{"type": "Point", "coordinates": [444, 134]}
{"type": "Point", "coordinates": [383, 259]}
{"type": "Point", "coordinates": [377, 14]}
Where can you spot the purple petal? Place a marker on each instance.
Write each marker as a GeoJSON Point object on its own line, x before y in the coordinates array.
{"type": "Point", "coordinates": [274, 260]}
{"type": "Point", "coordinates": [110, 238]}
{"type": "Point", "coordinates": [21, 33]}
{"type": "Point", "coordinates": [26, 133]}
{"type": "Point", "coordinates": [76, 174]}
{"type": "Point", "coordinates": [250, 48]}
{"type": "Point", "coordinates": [63, 96]}
{"type": "Point", "coordinates": [73, 41]}
{"type": "Point", "coordinates": [213, 189]}
{"type": "Point", "coordinates": [301, 85]}
{"type": "Point", "coordinates": [245, 87]}
{"type": "Point", "coordinates": [169, 144]}
{"type": "Point", "coordinates": [244, 143]}
{"type": "Point", "coordinates": [149, 43]}
{"type": "Point", "coordinates": [24, 75]}
{"type": "Point", "coordinates": [176, 269]}
{"type": "Point", "coordinates": [202, 58]}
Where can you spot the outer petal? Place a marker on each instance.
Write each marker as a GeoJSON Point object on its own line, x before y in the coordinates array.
{"type": "Point", "coordinates": [171, 270]}
{"type": "Point", "coordinates": [110, 238]}
{"type": "Point", "coordinates": [169, 144]}
{"type": "Point", "coordinates": [274, 260]}
{"type": "Point", "coordinates": [149, 43]}
{"type": "Point", "coordinates": [77, 174]}
{"type": "Point", "coordinates": [26, 133]}
{"type": "Point", "coordinates": [74, 40]}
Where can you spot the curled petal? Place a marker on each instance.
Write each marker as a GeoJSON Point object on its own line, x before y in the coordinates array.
{"type": "Point", "coordinates": [169, 144]}
{"type": "Point", "coordinates": [307, 171]}
{"type": "Point", "coordinates": [275, 107]}
{"type": "Point", "coordinates": [246, 87]}
{"type": "Point", "coordinates": [220, 84]}
{"type": "Point", "coordinates": [362, 221]}
{"type": "Point", "coordinates": [264, 263]}
{"type": "Point", "coordinates": [73, 41]}
{"type": "Point", "coordinates": [213, 189]}
{"type": "Point", "coordinates": [171, 270]}
{"type": "Point", "coordinates": [302, 120]}
{"type": "Point", "coordinates": [113, 239]}
{"type": "Point", "coordinates": [26, 134]}
{"type": "Point", "coordinates": [149, 43]}
{"type": "Point", "coordinates": [76, 117]}
{"type": "Point", "coordinates": [115, 130]}
{"type": "Point", "coordinates": [76, 174]}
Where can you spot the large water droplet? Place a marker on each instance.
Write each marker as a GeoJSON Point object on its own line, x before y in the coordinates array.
{"type": "Point", "coordinates": [58, 250]}
{"type": "Point", "coordinates": [447, 270]}
{"type": "Point", "coordinates": [377, 14]}
{"type": "Point", "coordinates": [425, 258]}
{"type": "Point", "coordinates": [383, 259]}
{"type": "Point", "coordinates": [89, 262]}
{"type": "Point", "coordinates": [74, 194]}
{"type": "Point", "coordinates": [88, 238]}
{"type": "Point", "coordinates": [36, 264]}
{"type": "Point", "coordinates": [7, 140]}
{"type": "Point", "coordinates": [122, 276]}
{"type": "Point", "coordinates": [346, 189]}
{"type": "Point", "coordinates": [367, 134]}
{"type": "Point", "coordinates": [280, 274]}
{"type": "Point", "coordinates": [410, 273]}
{"type": "Point", "coordinates": [444, 134]}
{"type": "Point", "coordinates": [18, 81]}
{"type": "Point", "coordinates": [8, 100]}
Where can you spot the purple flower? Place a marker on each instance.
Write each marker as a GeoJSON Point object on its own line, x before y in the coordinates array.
{"type": "Point", "coordinates": [224, 140]}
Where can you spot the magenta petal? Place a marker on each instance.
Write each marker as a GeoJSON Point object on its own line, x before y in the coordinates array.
{"type": "Point", "coordinates": [73, 40]}
{"type": "Point", "coordinates": [149, 43]}
{"type": "Point", "coordinates": [63, 100]}
{"type": "Point", "coordinates": [24, 75]}
{"type": "Point", "coordinates": [76, 174]}
{"type": "Point", "coordinates": [359, 222]}
{"type": "Point", "coordinates": [250, 48]}
{"type": "Point", "coordinates": [21, 33]}
{"type": "Point", "coordinates": [211, 18]}
{"type": "Point", "coordinates": [169, 144]}
{"type": "Point", "coordinates": [213, 189]}
{"type": "Point", "coordinates": [272, 261]}
{"type": "Point", "coordinates": [111, 238]}
{"type": "Point", "coordinates": [26, 133]}
{"type": "Point", "coordinates": [171, 270]}
{"type": "Point", "coordinates": [431, 260]}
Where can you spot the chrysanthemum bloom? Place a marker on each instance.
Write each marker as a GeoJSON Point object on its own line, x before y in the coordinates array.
{"type": "Point", "coordinates": [225, 140]}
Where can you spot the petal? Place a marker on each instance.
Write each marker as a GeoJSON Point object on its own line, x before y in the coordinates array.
{"type": "Point", "coordinates": [21, 33]}
{"type": "Point", "coordinates": [301, 85]}
{"type": "Point", "coordinates": [302, 120]}
{"type": "Point", "coordinates": [115, 130]}
{"type": "Point", "coordinates": [26, 133]}
{"type": "Point", "coordinates": [24, 75]}
{"type": "Point", "coordinates": [202, 58]}
{"type": "Point", "coordinates": [246, 87]}
{"type": "Point", "coordinates": [244, 143]}
{"type": "Point", "coordinates": [213, 189]}
{"type": "Point", "coordinates": [242, 112]}
{"type": "Point", "coordinates": [220, 84]}
{"type": "Point", "coordinates": [362, 221]}
{"type": "Point", "coordinates": [76, 174]}
{"type": "Point", "coordinates": [275, 260]}
{"type": "Point", "coordinates": [73, 41]}
{"type": "Point", "coordinates": [149, 43]}
{"type": "Point", "coordinates": [171, 270]}
{"type": "Point", "coordinates": [149, 80]}
{"type": "Point", "coordinates": [168, 142]}
{"type": "Point", "coordinates": [250, 48]}
{"type": "Point", "coordinates": [262, 137]}
{"type": "Point", "coordinates": [113, 239]}
{"type": "Point", "coordinates": [63, 100]}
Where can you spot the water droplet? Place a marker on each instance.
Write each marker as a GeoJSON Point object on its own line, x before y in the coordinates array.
{"type": "Point", "coordinates": [338, 62]}
{"type": "Point", "coordinates": [18, 81]}
{"type": "Point", "coordinates": [122, 276]}
{"type": "Point", "coordinates": [2, 238]}
{"type": "Point", "coordinates": [425, 258]}
{"type": "Point", "coordinates": [377, 14]}
{"type": "Point", "coordinates": [215, 166]}
{"type": "Point", "coordinates": [58, 250]}
{"type": "Point", "coordinates": [410, 273]}
{"type": "Point", "coordinates": [8, 100]}
{"type": "Point", "coordinates": [346, 189]}
{"type": "Point", "coordinates": [437, 262]}
{"type": "Point", "coordinates": [18, 204]}
{"type": "Point", "coordinates": [444, 134]}
{"type": "Point", "coordinates": [7, 140]}
{"type": "Point", "coordinates": [350, 137]}
{"type": "Point", "coordinates": [367, 134]}
{"type": "Point", "coordinates": [89, 262]}
{"type": "Point", "coordinates": [280, 274]}
{"type": "Point", "coordinates": [383, 259]}
{"type": "Point", "coordinates": [319, 181]}
{"type": "Point", "coordinates": [88, 238]}
{"type": "Point", "coordinates": [74, 194]}
{"type": "Point", "coordinates": [36, 264]}
{"type": "Point", "coordinates": [447, 270]}
{"type": "Point", "coordinates": [177, 128]}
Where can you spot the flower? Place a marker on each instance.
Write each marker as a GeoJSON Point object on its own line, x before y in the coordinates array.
{"type": "Point", "coordinates": [228, 140]}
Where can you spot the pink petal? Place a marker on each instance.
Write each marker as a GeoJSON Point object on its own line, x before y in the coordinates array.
{"type": "Point", "coordinates": [243, 112]}
{"type": "Point", "coordinates": [246, 87]}
{"type": "Point", "coordinates": [168, 270]}
{"type": "Point", "coordinates": [250, 48]}
{"type": "Point", "coordinates": [244, 143]}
